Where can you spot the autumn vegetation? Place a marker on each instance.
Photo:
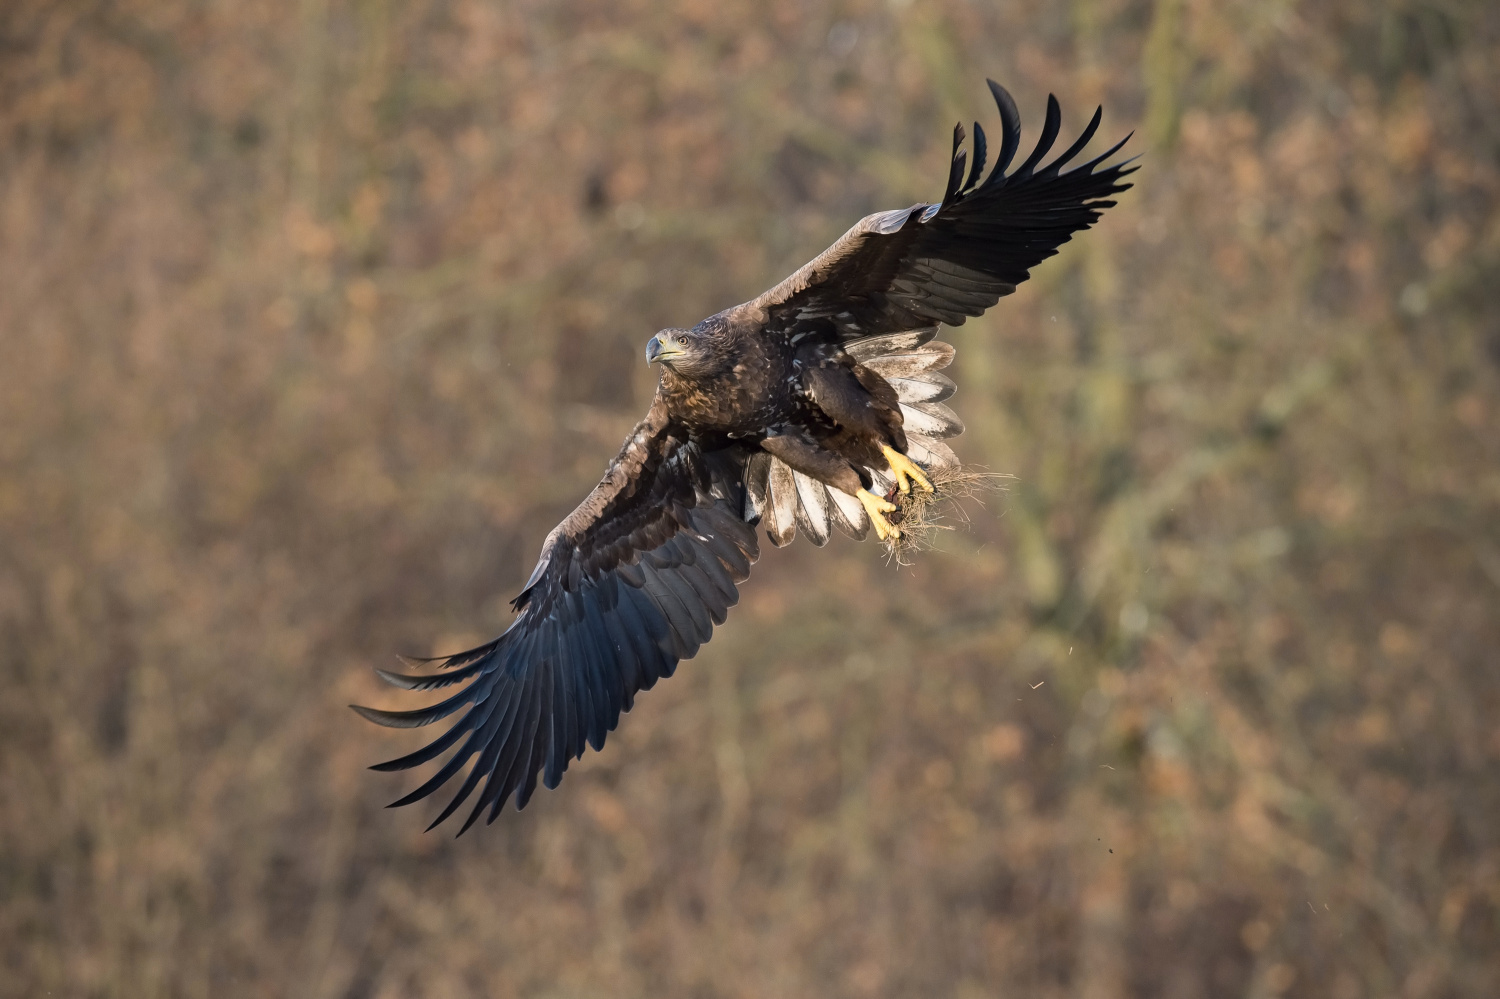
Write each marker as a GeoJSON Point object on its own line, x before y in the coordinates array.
{"type": "Point", "coordinates": [316, 316]}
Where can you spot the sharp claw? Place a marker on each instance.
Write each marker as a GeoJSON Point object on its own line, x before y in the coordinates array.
{"type": "Point", "coordinates": [903, 468]}
{"type": "Point", "coordinates": [876, 508]}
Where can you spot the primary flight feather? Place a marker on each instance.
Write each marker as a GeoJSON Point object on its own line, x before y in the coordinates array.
{"type": "Point", "coordinates": [809, 407]}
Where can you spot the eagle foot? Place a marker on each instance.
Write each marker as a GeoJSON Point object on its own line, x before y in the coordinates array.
{"type": "Point", "coordinates": [877, 508]}
{"type": "Point", "coordinates": [903, 468]}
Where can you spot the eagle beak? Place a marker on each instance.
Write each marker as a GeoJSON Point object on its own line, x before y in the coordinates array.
{"type": "Point", "coordinates": [660, 348]}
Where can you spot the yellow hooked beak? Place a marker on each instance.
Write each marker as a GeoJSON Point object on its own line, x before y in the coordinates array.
{"type": "Point", "coordinates": [662, 348]}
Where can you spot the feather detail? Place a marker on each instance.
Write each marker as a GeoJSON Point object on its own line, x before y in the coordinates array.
{"type": "Point", "coordinates": [849, 515]}
{"type": "Point", "coordinates": [929, 386]}
{"type": "Point", "coordinates": [1050, 128]}
{"type": "Point", "coordinates": [907, 363]}
{"type": "Point", "coordinates": [757, 470]}
{"type": "Point", "coordinates": [812, 508]}
{"type": "Point", "coordinates": [931, 418]}
{"type": "Point", "coordinates": [781, 508]}
{"type": "Point", "coordinates": [978, 168]}
{"type": "Point", "coordinates": [1010, 132]}
{"type": "Point", "coordinates": [930, 452]}
{"type": "Point", "coordinates": [875, 346]}
{"type": "Point", "coordinates": [956, 169]}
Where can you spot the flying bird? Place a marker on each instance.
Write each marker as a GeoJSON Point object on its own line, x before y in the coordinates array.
{"type": "Point", "coordinates": [810, 407]}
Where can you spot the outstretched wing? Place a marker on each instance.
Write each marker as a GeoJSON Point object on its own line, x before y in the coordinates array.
{"type": "Point", "coordinates": [914, 267]}
{"type": "Point", "coordinates": [629, 584]}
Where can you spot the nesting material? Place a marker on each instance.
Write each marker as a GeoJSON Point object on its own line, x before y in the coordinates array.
{"type": "Point", "coordinates": [922, 514]}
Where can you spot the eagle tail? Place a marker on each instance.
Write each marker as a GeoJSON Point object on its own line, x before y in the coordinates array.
{"type": "Point", "coordinates": [787, 501]}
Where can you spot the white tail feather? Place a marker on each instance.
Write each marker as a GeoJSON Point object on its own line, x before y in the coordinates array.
{"type": "Point", "coordinates": [930, 453]}
{"type": "Point", "coordinates": [932, 419]}
{"type": "Point", "coordinates": [812, 510]}
{"type": "Point", "coordinates": [781, 506]}
{"type": "Point", "coordinates": [849, 515]}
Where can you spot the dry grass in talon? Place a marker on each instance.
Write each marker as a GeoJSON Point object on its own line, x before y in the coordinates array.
{"type": "Point", "coordinates": [921, 513]}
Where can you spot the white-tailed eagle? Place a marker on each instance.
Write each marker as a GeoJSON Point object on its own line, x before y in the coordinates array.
{"type": "Point", "coordinates": [809, 407]}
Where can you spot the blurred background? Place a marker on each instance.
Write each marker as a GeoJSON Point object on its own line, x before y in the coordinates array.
{"type": "Point", "coordinates": [316, 316]}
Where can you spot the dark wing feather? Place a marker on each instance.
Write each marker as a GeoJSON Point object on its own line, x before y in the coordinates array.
{"type": "Point", "coordinates": [917, 266]}
{"type": "Point", "coordinates": [631, 582]}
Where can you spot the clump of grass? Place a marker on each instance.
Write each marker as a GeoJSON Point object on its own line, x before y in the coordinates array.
{"type": "Point", "coordinates": [921, 514]}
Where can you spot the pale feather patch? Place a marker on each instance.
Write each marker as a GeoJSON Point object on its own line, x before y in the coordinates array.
{"type": "Point", "coordinates": [927, 387]}
{"type": "Point", "coordinates": [930, 453]}
{"type": "Point", "coordinates": [781, 505]}
{"type": "Point", "coordinates": [757, 469]}
{"type": "Point", "coordinates": [812, 510]}
{"type": "Point", "coordinates": [849, 514]}
{"type": "Point", "coordinates": [932, 419]}
{"type": "Point", "coordinates": [874, 346]}
{"type": "Point", "coordinates": [907, 363]}
{"type": "Point", "coordinates": [886, 223]}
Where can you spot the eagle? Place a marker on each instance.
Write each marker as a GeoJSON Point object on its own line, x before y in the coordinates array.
{"type": "Point", "coordinates": [811, 407]}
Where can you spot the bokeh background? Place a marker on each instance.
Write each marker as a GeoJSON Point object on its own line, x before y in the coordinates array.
{"type": "Point", "coordinates": [315, 316]}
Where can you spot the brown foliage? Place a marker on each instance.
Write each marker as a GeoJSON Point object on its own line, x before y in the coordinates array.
{"type": "Point", "coordinates": [316, 316]}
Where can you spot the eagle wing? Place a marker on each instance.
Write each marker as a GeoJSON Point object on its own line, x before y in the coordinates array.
{"type": "Point", "coordinates": [915, 267]}
{"type": "Point", "coordinates": [629, 584]}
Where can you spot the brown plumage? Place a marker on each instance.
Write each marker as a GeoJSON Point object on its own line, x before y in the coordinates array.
{"type": "Point", "coordinates": [795, 410]}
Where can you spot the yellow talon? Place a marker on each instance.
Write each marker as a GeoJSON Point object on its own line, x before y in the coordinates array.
{"type": "Point", "coordinates": [877, 508]}
{"type": "Point", "coordinates": [902, 467]}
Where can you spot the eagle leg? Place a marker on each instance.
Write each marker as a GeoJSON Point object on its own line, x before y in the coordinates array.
{"type": "Point", "coordinates": [903, 468]}
{"type": "Point", "coordinates": [877, 508]}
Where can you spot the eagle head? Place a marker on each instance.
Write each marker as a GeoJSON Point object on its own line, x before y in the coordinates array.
{"type": "Point", "coordinates": [688, 352]}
